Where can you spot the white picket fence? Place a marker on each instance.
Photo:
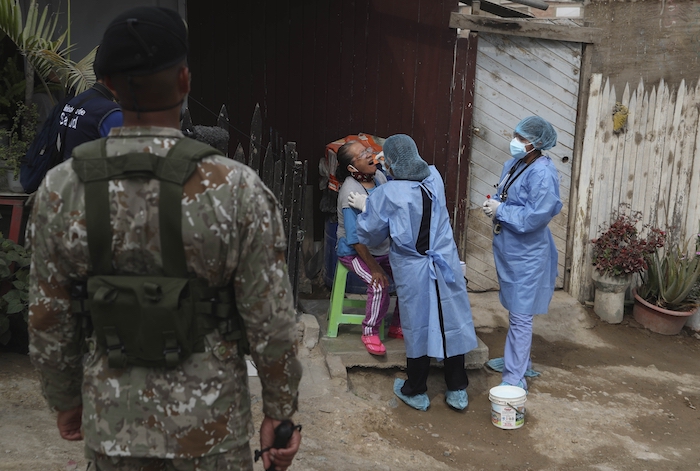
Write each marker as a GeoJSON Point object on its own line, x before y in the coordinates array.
{"type": "Point", "coordinates": [653, 166]}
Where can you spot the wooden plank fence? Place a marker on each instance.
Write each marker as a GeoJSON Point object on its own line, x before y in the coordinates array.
{"type": "Point", "coordinates": [284, 174]}
{"type": "Point", "coordinates": [653, 166]}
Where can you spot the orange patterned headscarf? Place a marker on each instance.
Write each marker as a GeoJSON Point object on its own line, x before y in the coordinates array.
{"type": "Point", "coordinates": [366, 140]}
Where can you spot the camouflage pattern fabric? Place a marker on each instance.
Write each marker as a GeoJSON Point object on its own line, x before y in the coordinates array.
{"type": "Point", "coordinates": [232, 232]}
{"type": "Point", "coordinates": [238, 459]}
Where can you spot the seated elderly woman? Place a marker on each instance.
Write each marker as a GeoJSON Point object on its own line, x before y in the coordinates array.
{"type": "Point", "coordinates": [358, 172]}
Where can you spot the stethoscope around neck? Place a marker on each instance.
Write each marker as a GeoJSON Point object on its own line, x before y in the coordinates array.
{"type": "Point", "coordinates": [504, 185]}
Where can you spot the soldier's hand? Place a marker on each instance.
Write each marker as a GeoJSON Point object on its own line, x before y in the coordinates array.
{"type": "Point", "coordinates": [69, 423]}
{"type": "Point", "coordinates": [281, 457]}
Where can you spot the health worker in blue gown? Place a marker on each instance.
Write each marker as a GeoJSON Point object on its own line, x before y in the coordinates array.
{"type": "Point", "coordinates": [527, 198]}
{"type": "Point", "coordinates": [435, 312]}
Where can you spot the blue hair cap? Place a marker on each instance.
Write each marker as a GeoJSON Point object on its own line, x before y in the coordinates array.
{"type": "Point", "coordinates": [538, 131]}
{"type": "Point", "coordinates": [401, 153]}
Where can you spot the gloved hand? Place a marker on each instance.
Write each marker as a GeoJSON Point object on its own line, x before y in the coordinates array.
{"type": "Point", "coordinates": [490, 206]}
{"type": "Point", "coordinates": [357, 201]}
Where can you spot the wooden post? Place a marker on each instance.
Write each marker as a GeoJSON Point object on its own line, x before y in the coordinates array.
{"type": "Point", "coordinates": [222, 120]}
{"type": "Point", "coordinates": [255, 139]}
{"type": "Point", "coordinates": [278, 181]}
{"type": "Point", "coordinates": [296, 233]}
{"type": "Point", "coordinates": [289, 153]}
{"type": "Point", "coordinates": [268, 167]}
{"type": "Point", "coordinates": [239, 155]}
{"type": "Point", "coordinates": [579, 134]}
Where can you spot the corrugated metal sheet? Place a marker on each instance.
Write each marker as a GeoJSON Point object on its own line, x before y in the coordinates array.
{"type": "Point", "coordinates": [518, 77]}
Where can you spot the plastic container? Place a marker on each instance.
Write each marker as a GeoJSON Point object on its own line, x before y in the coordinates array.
{"type": "Point", "coordinates": [508, 406]}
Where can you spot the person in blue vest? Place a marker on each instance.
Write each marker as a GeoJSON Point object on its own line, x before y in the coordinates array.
{"type": "Point", "coordinates": [436, 315]}
{"type": "Point", "coordinates": [526, 258]}
{"type": "Point", "coordinates": [89, 116]}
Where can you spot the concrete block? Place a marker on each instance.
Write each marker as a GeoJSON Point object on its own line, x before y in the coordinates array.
{"type": "Point", "coordinates": [336, 368]}
{"type": "Point", "coordinates": [477, 358]}
{"type": "Point", "coordinates": [694, 321]}
{"type": "Point", "coordinates": [311, 330]}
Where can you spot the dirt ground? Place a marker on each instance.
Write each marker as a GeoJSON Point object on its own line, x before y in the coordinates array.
{"type": "Point", "coordinates": [624, 399]}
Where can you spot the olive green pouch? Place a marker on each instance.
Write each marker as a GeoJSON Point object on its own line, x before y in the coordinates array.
{"type": "Point", "coordinates": [144, 320]}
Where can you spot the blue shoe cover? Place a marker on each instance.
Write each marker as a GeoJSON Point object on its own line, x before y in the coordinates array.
{"type": "Point", "coordinates": [521, 384]}
{"type": "Point", "coordinates": [419, 401]}
{"type": "Point", "coordinates": [457, 399]}
{"type": "Point", "coordinates": [496, 364]}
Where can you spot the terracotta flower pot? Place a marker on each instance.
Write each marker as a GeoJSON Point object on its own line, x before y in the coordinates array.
{"type": "Point", "coordinates": [657, 319]}
{"type": "Point", "coordinates": [609, 301]}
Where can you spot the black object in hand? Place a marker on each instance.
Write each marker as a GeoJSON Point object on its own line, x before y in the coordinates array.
{"type": "Point", "coordinates": [283, 432]}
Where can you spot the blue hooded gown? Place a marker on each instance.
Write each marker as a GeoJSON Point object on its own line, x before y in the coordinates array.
{"type": "Point", "coordinates": [524, 251]}
{"type": "Point", "coordinates": [440, 327]}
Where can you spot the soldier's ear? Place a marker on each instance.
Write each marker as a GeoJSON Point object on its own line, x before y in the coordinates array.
{"type": "Point", "coordinates": [107, 82]}
{"type": "Point", "coordinates": [183, 80]}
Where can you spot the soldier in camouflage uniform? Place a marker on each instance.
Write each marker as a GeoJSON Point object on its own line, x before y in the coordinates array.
{"type": "Point", "coordinates": [196, 415]}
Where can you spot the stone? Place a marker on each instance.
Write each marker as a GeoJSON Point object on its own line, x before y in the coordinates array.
{"type": "Point", "coordinates": [311, 330]}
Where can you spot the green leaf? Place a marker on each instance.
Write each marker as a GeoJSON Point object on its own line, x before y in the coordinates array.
{"type": "Point", "coordinates": [15, 307]}
{"type": "Point", "coordinates": [11, 296]}
{"type": "Point", "coordinates": [14, 257]}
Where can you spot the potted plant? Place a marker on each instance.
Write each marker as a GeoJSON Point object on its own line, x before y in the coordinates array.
{"type": "Point", "coordinates": [14, 290]}
{"type": "Point", "coordinates": [619, 252]}
{"type": "Point", "coordinates": [668, 293]}
{"type": "Point", "coordinates": [15, 142]}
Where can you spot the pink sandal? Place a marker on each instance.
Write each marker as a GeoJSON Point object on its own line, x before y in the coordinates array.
{"type": "Point", "coordinates": [373, 344]}
{"type": "Point", "coordinates": [396, 332]}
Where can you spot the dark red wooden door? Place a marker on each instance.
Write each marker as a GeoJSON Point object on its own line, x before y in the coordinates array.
{"type": "Point", "coordinates": [323, 69]}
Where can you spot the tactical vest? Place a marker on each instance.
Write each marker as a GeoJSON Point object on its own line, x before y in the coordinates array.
{"type": "Point", "coordinates": [154, 320]}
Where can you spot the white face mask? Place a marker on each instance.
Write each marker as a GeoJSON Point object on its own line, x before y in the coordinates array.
{"type": "Point", "coordinates": [517, 149]}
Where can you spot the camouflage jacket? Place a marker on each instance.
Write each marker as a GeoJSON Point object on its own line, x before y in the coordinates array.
{"type": "Point", "coordinates": [232, 233]}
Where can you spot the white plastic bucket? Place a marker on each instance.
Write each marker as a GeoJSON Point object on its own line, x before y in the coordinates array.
{"type": "Point", "coordinates": [507, 406]}
{"type": "Point", "coordinates": [463, 265]}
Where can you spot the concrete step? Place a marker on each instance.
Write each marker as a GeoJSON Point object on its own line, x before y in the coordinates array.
{"type": "Point", "coordinates": [349, 348]}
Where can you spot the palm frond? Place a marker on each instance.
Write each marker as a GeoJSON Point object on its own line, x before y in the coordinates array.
{"type": "Point", "coordinates": [33, 39]}
{"type": "Point", "coordinates": [73, 75]}
{"type": "Point", "coordinates": [81, 74]}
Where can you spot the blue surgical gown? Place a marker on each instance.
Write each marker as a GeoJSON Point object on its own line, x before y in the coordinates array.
{"type": "Point", "coordinates": [524, 251]}
{"type": "Point", "coordinates": [395, 210]}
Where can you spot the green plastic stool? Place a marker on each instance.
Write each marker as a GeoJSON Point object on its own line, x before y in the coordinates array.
{"type": "Point", "coordinates": [336, 316]}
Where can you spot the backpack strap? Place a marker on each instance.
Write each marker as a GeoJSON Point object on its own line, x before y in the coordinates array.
{"type": "Point", "coordinates": [95, 169]}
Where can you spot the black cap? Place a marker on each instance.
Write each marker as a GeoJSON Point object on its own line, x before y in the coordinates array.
{"type": "Point", "coordinates": [142, 41]}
